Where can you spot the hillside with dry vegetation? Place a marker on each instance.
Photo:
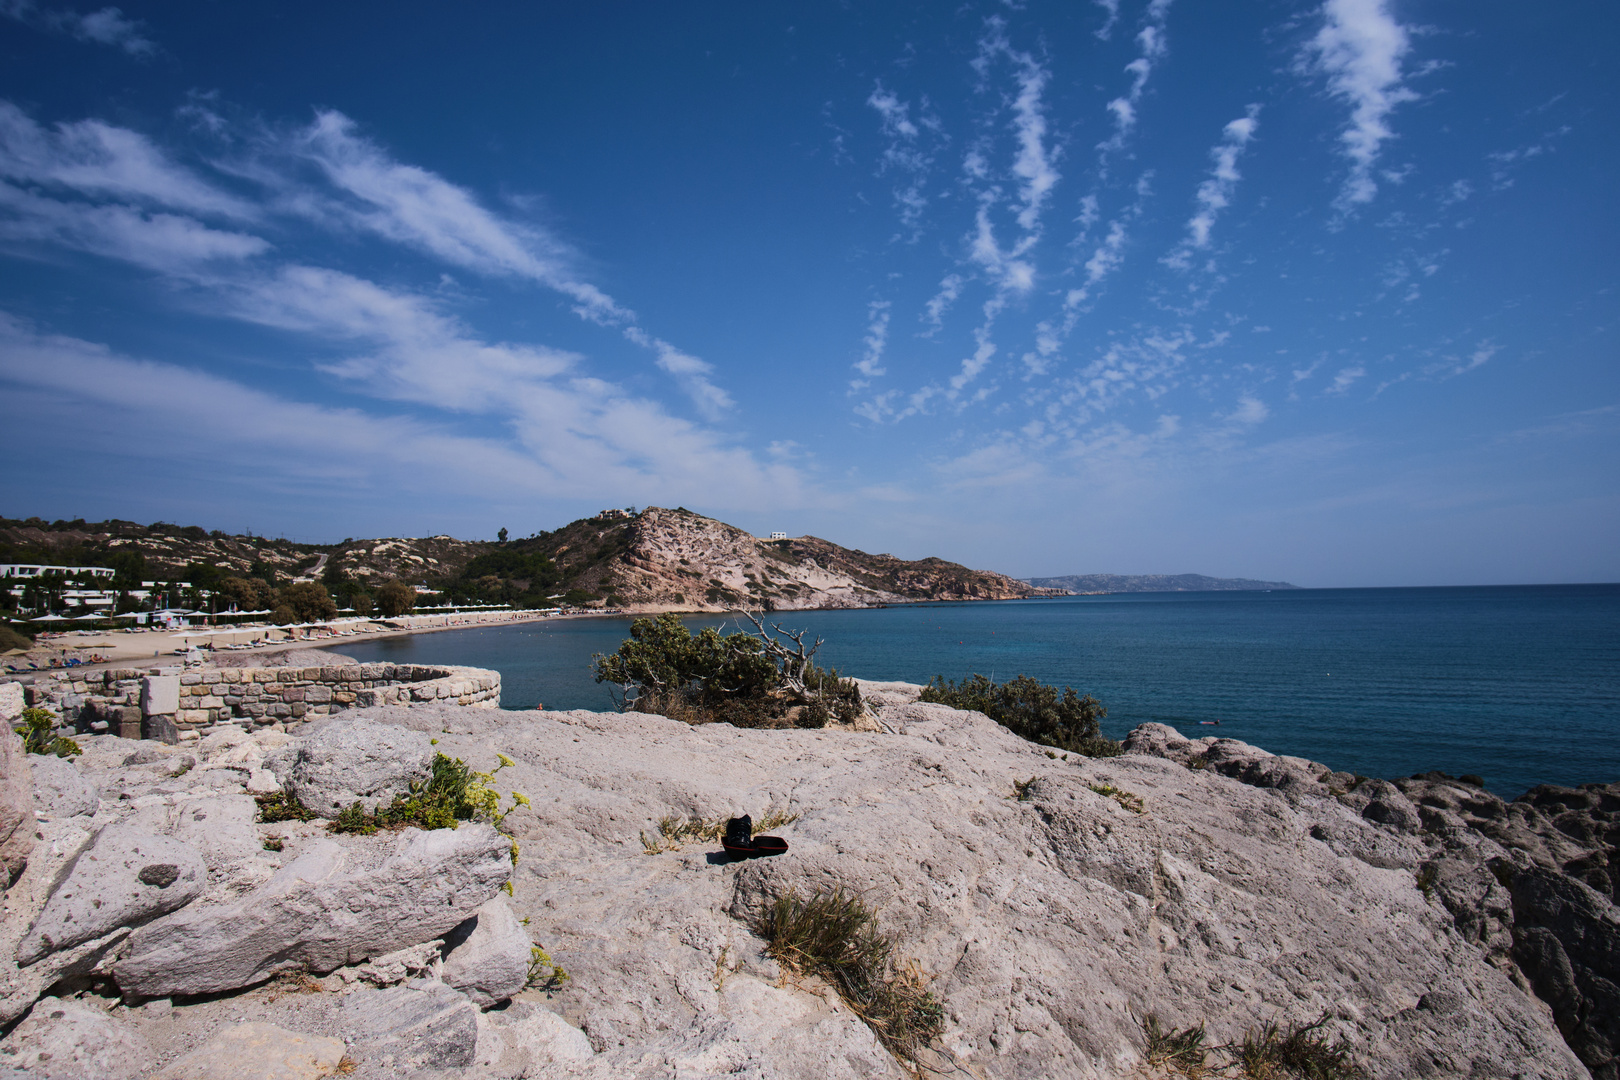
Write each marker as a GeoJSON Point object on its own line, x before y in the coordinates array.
{"type": "Point", "coordinates": [657, 559]}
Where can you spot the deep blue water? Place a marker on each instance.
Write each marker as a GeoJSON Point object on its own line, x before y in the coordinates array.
{"type": "Point", "coordinates": [1519, 684]}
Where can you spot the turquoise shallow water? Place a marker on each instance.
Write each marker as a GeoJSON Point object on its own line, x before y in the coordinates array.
{"type": "Point", "coordinates": [1520, 685]}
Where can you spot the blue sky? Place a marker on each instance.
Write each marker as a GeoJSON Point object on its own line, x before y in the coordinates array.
{"type": "Point", "coordinates": [1323, 292]}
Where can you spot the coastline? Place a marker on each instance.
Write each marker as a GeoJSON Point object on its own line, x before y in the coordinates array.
{"type": "Point", "coordinates": [158, 648]}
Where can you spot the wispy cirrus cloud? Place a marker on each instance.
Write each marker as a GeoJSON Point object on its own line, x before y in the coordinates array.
{"type": "Point", "coordinates": [908, 154]}
{"type": "Point", "coordinates": [1152, 46]}
{"type": "Point", "coordinates": [870, 365]}
{"type": "Point", "coordinates": [106, 26]}
{"type": "Point", "coordinates": [1215, 193]}
{"type": "Point", "coordinates": [93, 158]}
{"type": "Point", "coordinates": [93, 187]}
{"type": "Point", "coordinates": [562, 438]}
{"type": "Point", "coordinates": [414, 206]}
{"type": "Point", "coordinates": [1359, 50]}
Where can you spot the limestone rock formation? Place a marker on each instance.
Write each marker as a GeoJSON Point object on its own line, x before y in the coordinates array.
{"type": "Point", "coordinates": [68, 1040]}
{"type": "Point", "coordinates": [125, 878]}
{"type": "Point", "coordinates": [1051, 903]}
{"type": "Point", "coordinates": [487, 957]}
{"type": "Point", "coordinates": [16, 790]}
{"type": "Point", "coordinates": [60, 790]}
{"type": "Point", "coordinates": [353, 760]}
{"type": "Point", "coordinates": [321, 912]}
{"type": "Point", "coordinates": [256, 1050]}
{"type": "Point", "coordinates": [406, 1027]}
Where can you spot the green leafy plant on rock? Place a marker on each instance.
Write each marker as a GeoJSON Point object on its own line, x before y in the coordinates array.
{"type": "Point", "coordinates": [38, 731]}
{"type": "Point", "coordinates": [835, 935]}
{"type": "Point", "coordinates": [1032, 710]}
{"type": "Point", "coordinates": [544, 972]}
{"type": "Point", "coordinates": [764, 679]}
{"type": "Point", "coordinates": [451, 793]}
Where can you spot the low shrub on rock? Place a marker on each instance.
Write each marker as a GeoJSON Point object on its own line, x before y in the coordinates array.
{"type": "Point", "coordinates": [38, 731]}
{"type": "Point", "coordinates": [1031, 709]}
{"type": "Point", "coordinates": [750, 680]}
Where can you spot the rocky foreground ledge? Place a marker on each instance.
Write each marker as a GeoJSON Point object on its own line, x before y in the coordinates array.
{"type": "Point", "coordinates": [1054, 903]}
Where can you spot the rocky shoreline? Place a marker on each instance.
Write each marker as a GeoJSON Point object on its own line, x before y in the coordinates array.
{"type": "Point", "coordinates": [156, 928]}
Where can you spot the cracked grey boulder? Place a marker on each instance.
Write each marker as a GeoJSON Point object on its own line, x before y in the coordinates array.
{"type": "Point", "coordinates": [60, 790]}
{"type": "Point", "coordinates": [353, 760]}
{"type": "Point", "coordinates": [487, 957]}
{"type": "Point", "coordinates": [407, 1027]}
{"type": "Point", "coordinates": [124, 878]}
{"type": "Point", "coordinates": [67, 1040]}
{"type": "Point", "coordinates": [319, 913]}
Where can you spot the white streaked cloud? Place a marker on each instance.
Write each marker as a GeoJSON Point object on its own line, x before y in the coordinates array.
{"type": "Point", "coordinates": [1034, 164]}
{"type": "Point", "coordinates": [1359, 50]}
{"type": "Point", "coordinates": [1111, 13]}
{"type": "Point", "coordinates": [690, 373]}
{"type": "Point", "coordinates": [1215, 193]}
{"type": "Point", "coordinates": [1152, 46]}
{"type": "Point", "coordinates": [950, 288]}
{"type": "Point", "coordinates": [907, 154]}
{"type": "Point", "coordinates": [557, 432]}
{"type": "Point", "coordinates": [95, 159]}
{"type": "Point", "coordinates": [106, 26]}
{"type": "Point", "coordinates": [1346, 378]}
{"type": "Point", "coordinates": [414, 206]}
{"type": "Point", "coordinates": [171, 244]}
{"type": "Point", "coordinates": [110, 191]}
{"type": "Point", "coordinates": [870, 365]}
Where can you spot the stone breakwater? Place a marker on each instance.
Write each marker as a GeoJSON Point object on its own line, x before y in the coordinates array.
{"type": "Point", "coordinates": [182, 706]}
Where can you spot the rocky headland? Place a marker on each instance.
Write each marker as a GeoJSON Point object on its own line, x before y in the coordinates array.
{"type": "Point", "coordinates": [155, 927]}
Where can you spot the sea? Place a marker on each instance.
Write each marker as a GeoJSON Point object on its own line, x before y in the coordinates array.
{"type": "Point", "coordinates": [1519, 685]}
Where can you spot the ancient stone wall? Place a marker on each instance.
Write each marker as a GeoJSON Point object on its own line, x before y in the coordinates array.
{"type": "Point", "coordinates": [174, 705]}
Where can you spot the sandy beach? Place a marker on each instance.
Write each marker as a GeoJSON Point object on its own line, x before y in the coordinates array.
{"type": "Point", "coordinates": [127, 649]}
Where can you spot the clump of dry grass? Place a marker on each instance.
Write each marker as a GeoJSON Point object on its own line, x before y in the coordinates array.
{"type": "Point", "coordinates": [1184, 1050]}
{"type": "Point", "coordinates": [1301, 1051]}
{"type": "Point", "coordinates": [674, 830]}
{"type": "Point", "coordinates": [1127, 799]}
{"type": "Point", "coordinates": [836, 936]}
{"type": "Point", "coordinates": [1269, 1052]}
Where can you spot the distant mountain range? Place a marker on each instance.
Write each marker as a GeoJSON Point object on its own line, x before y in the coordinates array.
{"type": "Point", "coordinates": [1121, 583]}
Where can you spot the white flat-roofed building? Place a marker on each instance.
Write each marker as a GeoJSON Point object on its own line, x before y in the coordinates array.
{"type": "Point", "coordinates": [29, 570]}
{"type": "Point", "coordinates": [778, 536]}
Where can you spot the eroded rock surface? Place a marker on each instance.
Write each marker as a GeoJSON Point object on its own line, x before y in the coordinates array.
{"type": "Point", "coordinates": [125, 878]}
{"type": "Point", "coordinates": [352, 760]}
{"type": "Point", "coordinates": [320, 912]}
{"type": "Point", "coordinates": [1053, 903]}
{"type": "Point", "coordinates": [16, 791]}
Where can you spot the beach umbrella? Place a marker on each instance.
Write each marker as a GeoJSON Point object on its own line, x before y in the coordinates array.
{"type": "Point", "coordinates": [92, 617]}
{"type": "Point", "coordinates": [50, 618]}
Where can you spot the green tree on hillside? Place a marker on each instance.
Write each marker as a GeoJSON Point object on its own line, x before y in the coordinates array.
{"type": "Point", "coordinates": [395, 598]}
{"type": "Point", "coordinates": [307, 600]}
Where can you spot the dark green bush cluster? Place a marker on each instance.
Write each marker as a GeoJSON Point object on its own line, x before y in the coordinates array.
{"type": "Point", "coordinates": [835, 935]}
{"type": "Point", "coordinates": [38, 731]}
{"type": "Point", "coordinates": [435, 803]}
{"type": "Point", "coordinates": [707, 678]}
{"type": "Point", "coordinates": [279, 806]}
{"type": "Point", "coordinates": [1031, 709]}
